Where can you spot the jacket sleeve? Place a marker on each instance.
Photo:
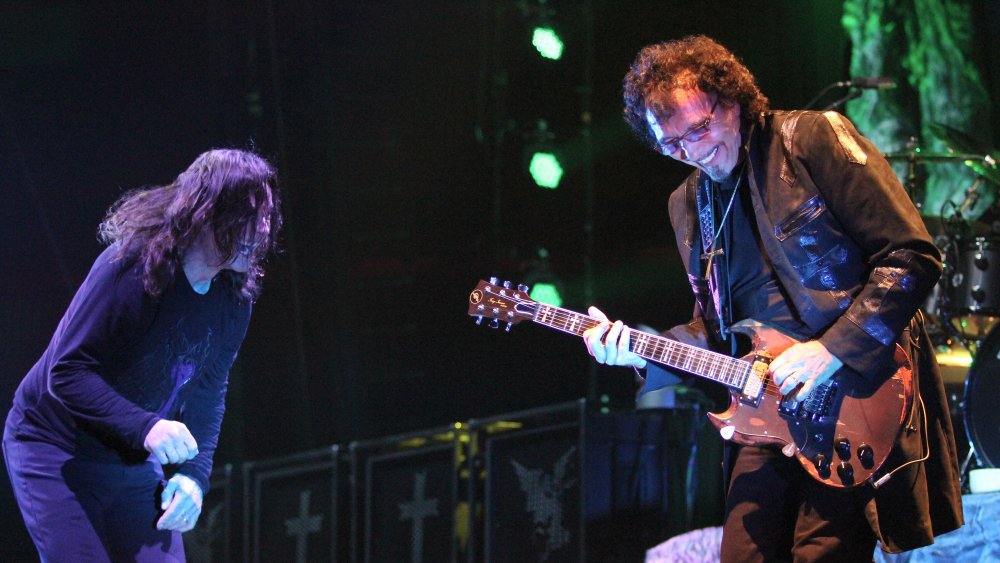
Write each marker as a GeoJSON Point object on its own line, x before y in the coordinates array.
{"type": "Point", "coordinates": [864, 195]}
{"type": "Point", "coordinates": [106, 311]}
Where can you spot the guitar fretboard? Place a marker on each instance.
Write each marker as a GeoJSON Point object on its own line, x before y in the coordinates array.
{"type": "Point", "coordinates": [731, 372]}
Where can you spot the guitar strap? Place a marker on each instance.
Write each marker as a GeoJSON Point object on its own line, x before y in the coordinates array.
{"type": "Point", "coordinates": [711, 267]}
{"type": "Point", "coordinates": [715, 243]}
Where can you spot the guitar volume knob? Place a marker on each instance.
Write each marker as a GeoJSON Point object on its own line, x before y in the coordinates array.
{"type": "Point", "coordinates": [866, 455]}
{"type": "Point", "coordinates": [846, 473]}
{"type": "Point", "coordinates": [822, 465]}
{"type": "Point", "coordinates": [843, 448]}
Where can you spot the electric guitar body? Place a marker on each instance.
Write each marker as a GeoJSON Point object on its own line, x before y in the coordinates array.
{"type": "Point", "coordinates": [841, 433]}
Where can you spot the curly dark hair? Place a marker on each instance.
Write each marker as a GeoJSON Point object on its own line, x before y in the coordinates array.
{"type": "Point", "coordinates": [230, 191]}
{"type": "Point", "coordinates": [693, 61]}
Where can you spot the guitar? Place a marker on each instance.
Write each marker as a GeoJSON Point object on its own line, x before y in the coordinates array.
{"type": "Point", "coordinates": [841, 433]}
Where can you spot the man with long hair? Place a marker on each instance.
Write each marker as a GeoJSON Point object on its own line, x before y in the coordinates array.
{"type": "Point", "coordinates": [134, 378]}
{"type": "Point", "coordinates": [795, 220]}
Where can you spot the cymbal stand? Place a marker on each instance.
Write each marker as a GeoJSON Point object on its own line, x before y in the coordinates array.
{"type": "Point", "coordinates": [945, 311]}
{"type": "Point", "coordinates": [911, 171]}
{"type": "Point", "coordinates": [968, 463]}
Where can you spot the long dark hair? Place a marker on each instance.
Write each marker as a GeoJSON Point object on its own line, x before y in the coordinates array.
{"type": "Point", "coordinates": [230, 191]}
{"type": "Point", "coordinates": [696, 60]}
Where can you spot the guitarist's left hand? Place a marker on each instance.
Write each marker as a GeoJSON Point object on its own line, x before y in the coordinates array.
{"type": "Point", "coordinates": [807, 363]}
{"type": "Point", "coordinates": [608, 342]}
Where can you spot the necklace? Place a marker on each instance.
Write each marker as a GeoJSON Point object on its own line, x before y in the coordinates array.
{"type": "Point", "coordinates": [712, 252]}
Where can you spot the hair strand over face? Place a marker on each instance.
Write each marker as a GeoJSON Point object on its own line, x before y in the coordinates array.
{"type": "Point", "coordinates": [229, 192]}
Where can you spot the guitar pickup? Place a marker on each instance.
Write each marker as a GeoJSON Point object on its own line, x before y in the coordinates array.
{"type": "Point", "coordinates": [753, 390]}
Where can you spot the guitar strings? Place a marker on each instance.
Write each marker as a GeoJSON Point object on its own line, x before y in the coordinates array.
{"type": "Point", "coordinates": [730, 369]}
{"type": "Point", "coordinates": [668, 351]}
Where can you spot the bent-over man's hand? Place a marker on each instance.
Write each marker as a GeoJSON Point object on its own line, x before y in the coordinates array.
{"type": "Point", "coordinates": [608, 342]}
{"type": "Point", "coordinates": [171, 442]}
{"type": "Point", "coordinates": [181, 504]}
{"type": "Point", "coordinates": [808, 363]}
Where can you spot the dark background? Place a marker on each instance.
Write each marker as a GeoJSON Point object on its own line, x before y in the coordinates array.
{"type": "Point", "coordinates": [398, 128]}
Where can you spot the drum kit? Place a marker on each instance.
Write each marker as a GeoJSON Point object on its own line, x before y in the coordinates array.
{"type": "Point", "coordinates": [964, 309]}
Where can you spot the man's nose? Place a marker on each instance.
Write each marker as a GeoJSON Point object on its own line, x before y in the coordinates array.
{"type": "Point", "coordinates": [682, 148]}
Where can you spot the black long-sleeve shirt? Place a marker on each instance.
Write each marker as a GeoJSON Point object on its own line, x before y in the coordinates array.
{"type": "Point", "coordinates": [120, 361]}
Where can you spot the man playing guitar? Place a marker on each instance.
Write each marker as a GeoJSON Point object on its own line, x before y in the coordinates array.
{"type": "Point", "coordinates": [796, 221]}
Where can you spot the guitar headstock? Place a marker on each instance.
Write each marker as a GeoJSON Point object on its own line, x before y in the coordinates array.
{"type": "Point", "coordinates": [500, 303]}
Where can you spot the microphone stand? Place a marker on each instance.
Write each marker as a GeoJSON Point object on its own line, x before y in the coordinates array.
{"type": "Point", "coordinates": [822, 93]}
{"type": "Point", "coordinates": [854, 93]}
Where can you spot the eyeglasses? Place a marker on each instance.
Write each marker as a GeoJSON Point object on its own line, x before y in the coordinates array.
{"type": "Point", "coordinates": [694, 133]}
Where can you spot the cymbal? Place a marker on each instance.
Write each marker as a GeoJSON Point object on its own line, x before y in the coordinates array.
{"type": "Point", "coordinates": [918, 155]}
{"type": "Point", "coordinates": [954, 362]}
{"type": "Point", "coordinates": [959, 140]}
{"type": "Point", "coordinates": [985, 167]}
{"type": "Point", "coordinates": [937, 225]}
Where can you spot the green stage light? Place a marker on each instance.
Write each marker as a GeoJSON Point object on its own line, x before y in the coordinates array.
{"type": "Point", "coordinates": [545, 169]}
{"type": "Point", "coordinates": [546, 293]}
{"type": "Point", "coordinates": [547, 42]}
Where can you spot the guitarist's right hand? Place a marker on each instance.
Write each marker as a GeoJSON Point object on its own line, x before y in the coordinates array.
{"type": "Point", "coordinates": [608, 342]}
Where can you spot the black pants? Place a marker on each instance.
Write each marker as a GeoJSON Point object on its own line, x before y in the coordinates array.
{"type": "Point", "coordinates": [91, 512]}
{"type": "Point", "coordinates": [776, 512]}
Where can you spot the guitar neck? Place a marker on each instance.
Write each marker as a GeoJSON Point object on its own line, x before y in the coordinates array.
{"type": "Point", "coordinates": [720, 368]}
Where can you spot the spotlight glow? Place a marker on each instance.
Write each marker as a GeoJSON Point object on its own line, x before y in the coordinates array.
{"type": "Point", "coordinates": [545, 169]}
{"type": "Point", "coordinates": [547, 42]}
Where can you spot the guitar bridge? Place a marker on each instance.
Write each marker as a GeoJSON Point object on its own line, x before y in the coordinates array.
{"type": "Point", "coordinates": [815, 407]}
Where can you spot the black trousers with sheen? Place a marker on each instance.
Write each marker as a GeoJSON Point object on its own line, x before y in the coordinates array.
{"type": "Point", "coordinates": [776, 512]}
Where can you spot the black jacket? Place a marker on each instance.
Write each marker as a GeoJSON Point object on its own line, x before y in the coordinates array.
{"type": "Point", "coordinates": [852, 253]}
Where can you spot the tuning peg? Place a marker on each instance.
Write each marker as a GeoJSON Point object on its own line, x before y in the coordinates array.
{"type": "Point", "coordinates": [508, 327]}
{"type": "Point", "coordinates": [479, 320]}
{"type": "Point", "coordinates": [506, 284]}
{"type": "Point", "coordinates": [493, 280]}
{"type": "Point", "coordinates": [522, 288]}
{"type": "Point", "coordinates": [495, 323]}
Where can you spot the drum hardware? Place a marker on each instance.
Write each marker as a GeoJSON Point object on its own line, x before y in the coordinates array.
{"type": "Point", "coordinates": [986, 168]}
{"type": "Point", "coordinates": [982, 418]}
{"type": "Point", "coordinates": [964, 308]}
{"type": "Point", "coordinates": [971, 196]}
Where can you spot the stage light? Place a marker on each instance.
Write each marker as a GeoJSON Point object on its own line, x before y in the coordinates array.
{"type": "Point", "coordinates": [545, 286]}
{"type": "Point", "coordinates": [545, 169]}
{"type": "Point", "coordinates": [546, 293]}
{"type": "Point", "coordinates": [547, 42]}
